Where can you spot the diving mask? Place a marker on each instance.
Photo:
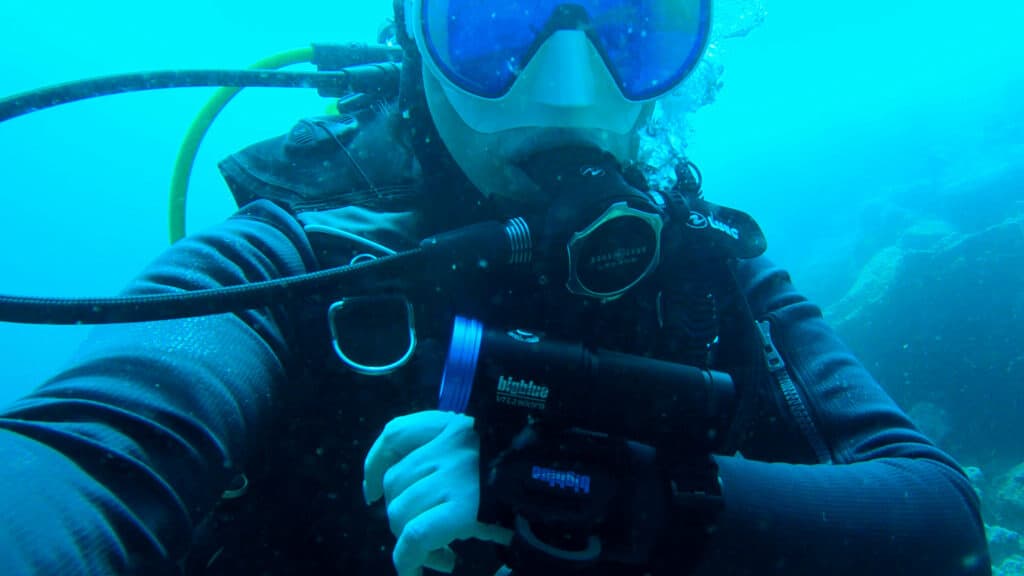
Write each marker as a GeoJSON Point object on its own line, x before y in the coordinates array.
{"type": "Point", "coordinates": [545, 63]}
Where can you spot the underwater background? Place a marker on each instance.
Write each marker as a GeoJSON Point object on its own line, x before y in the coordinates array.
{"type": "Point", "coordinates": [879, 144]}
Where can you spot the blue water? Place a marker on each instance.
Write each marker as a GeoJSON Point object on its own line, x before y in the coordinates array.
{"type": "Point", "coordinates": [86, 184]}
{"type": "Point", "coordinates": [832, 103]}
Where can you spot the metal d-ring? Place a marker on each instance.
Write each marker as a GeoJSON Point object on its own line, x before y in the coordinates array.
{"type": "Point", "coordinates": [366, 369]}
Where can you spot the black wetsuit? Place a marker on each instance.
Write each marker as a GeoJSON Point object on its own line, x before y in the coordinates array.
{"type": "Point", "coordinates": [118, 464]}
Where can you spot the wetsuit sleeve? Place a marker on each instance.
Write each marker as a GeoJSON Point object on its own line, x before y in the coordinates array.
{"type": "Point", "coordinates": [889, 503]}
{"type": "Point", "coordinates": [107, 467]}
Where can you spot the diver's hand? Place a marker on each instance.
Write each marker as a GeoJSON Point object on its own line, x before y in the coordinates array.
{"type": "Point", "coordinates": [426, 465]}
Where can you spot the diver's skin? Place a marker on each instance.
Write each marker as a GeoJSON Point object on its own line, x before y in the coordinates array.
{"type": "Point", "coordinates": [111, 466]}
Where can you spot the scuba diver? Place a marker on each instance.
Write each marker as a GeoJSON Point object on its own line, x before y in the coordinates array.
{"type": "Point", "coordinates": [537, 363]}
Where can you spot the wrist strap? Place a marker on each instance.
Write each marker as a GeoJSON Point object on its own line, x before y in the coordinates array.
{"type": "Point", "coordinates": [695, 492]}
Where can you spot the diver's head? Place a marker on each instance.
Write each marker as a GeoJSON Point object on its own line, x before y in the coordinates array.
{"type": "Point", "coordinates": [503, 80]}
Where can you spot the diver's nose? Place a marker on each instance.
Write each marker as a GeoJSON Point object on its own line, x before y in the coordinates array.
{"type": "Point", "coordinates": [566, 71]}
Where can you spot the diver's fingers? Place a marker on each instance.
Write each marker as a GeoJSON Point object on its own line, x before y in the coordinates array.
{"type": "Point", "coordinates": [400, 437]}
{"type": "Point", "coordinates": [423, 494]}
{"type": "Point", "coordinates": [428, 532]}
{"type": "Point", "coordinates": [442, 560]}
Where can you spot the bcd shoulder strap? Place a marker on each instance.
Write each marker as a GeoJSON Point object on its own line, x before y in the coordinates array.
{"type": "Point", "coordinates": [326, 162]}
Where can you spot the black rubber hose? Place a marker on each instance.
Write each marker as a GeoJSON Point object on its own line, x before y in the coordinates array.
{"type": "Point", "coordinates": [380, 78]}
{"type": "Point", "coordinates": [348, 280]}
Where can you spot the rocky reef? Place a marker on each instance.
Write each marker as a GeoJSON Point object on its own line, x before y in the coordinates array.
{"type": "Point", "coordinates": [932, 301]}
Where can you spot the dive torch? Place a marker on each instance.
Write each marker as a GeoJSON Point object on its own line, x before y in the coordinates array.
{"type": "Point", "coordinates": [511, 378]}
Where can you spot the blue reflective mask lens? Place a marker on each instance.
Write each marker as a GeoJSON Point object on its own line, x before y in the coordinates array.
{"type": "Point", "coordinates": [649, 46]}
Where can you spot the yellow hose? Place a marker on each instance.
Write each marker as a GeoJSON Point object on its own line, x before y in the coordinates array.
{"type": "Point", "coordinates": [190, 145]}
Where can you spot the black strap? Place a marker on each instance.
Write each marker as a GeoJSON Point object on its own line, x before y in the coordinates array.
{"type": "Point", "coordinates": [748, 365]}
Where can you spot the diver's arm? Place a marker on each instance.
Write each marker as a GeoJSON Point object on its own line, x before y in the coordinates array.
{"type": "Point", "coordinates": [891, 503]}
{"type": "Point", "coordinates": [107, 467]}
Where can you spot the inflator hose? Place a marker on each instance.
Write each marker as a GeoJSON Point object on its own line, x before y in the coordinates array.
{"type": "Point", "coordinates": [190, 145]}
{"type": "Point", "coordinates": [347, 280]}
